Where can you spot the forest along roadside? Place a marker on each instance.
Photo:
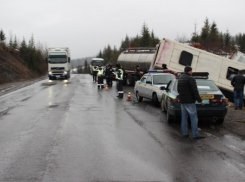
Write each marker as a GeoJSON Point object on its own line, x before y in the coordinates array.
{"type": "Point", "coordinates": [234, 120]}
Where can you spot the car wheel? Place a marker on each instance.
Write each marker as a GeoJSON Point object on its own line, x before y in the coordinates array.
{"type": "Point", "coordinates": [220, 121]}
{"type": "Point", "coordinates": [162, 107]}
{"type": "Point", "coordinates": [139, 98]}
{"type": "Point", "coordinates": [155, 100]}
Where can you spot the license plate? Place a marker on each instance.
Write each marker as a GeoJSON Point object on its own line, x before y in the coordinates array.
{"type": "Point", "coordinates": [205, 102]}
{"type": "Point", "coordinates": [207, 96]}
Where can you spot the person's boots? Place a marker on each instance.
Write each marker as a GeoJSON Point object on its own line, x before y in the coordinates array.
{"type": "Point", "coordinates": [120, 95]}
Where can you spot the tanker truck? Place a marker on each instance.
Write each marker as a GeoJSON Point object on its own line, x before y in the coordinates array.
{"type": "Point", "coordinates": [58, 59]}
{"type": "Point", "coordinates": [132, 57]}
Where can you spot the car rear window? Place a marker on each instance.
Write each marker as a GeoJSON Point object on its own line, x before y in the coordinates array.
{"type": "Point", "coordinates": [162, 79]}
{"type": "Point", "coordinates": [203, 85]}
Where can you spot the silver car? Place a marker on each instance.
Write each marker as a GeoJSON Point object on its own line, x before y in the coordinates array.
{"type": "Point", "coordinates": [151, 85]}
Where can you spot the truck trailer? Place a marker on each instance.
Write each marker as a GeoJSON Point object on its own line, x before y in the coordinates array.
{"type": "Point", "coordinates": [132, 57]}
{"type": "Point", "coordinates": [58, 59]}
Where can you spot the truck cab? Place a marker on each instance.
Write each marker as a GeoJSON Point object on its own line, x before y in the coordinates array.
{"type": "Point", "coordinates": [59, 63]}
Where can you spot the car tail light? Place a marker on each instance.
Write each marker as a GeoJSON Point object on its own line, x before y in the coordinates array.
{"type": "Point", "coordinates": [222, 101]}
{"type": "Point", "coordinates": [176, 100]}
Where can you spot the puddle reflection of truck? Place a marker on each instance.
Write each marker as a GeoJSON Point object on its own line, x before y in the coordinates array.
{"type": "Point", "coordinates": [58, 63]}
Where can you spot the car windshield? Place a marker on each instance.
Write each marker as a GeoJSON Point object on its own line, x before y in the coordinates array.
{"type": "Point", "coordinates": [203, 85]}
{"type": "Point", "coordinates": [162, 79]}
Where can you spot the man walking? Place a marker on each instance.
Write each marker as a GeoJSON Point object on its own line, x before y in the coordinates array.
{"type": "Point", "coordinates": [188, 95]}
{"type": "Point", "coordinates": [238, 82]}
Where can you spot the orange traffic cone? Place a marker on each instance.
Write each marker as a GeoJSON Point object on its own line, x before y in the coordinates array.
{"type": "Point", "coordinates": [129, 97]}
{"type": "Point", "coordinates": [106, 87]}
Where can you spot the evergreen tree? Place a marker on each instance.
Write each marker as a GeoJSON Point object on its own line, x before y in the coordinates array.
{"type": "Point", "coordinates": [205, 34]}
{"type": "Point", "coordinates": [227, 38]}
{"type": "Point", "coordinates": [10, 42]}
{"type": "Point", "coordinates": [15, 43]}
{"type": "Point", "coordinates": [135, 42]}
{"type": "Point", "coordinates": [2, 36]}
{"type": "Point", "coordinates": [125, 43]}
{"type": "Point", "coordinates": [154, 40]}
{"type": "Point", "coordinates": [213, 38]}
{"type": "Point", "coordinates": [31, 44]}
{"type": "Point", "coordinates": [145, 36]}
{"type": "Point", "coordinates": [99, 55]}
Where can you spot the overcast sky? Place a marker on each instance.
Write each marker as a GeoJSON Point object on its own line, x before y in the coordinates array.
{"type": "Point", "coordinates": [87, 26]}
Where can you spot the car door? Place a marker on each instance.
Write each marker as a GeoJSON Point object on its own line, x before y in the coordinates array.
{"type": "Point", "coordinates": [141, 86]}
{"type": "Point", "coordinates": [148, 87]}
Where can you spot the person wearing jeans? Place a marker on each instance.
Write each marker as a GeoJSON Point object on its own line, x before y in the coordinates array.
{"type": "Point", "coordinates": [238, 82]}
{"type": "Point", "coordinates": [188, 95]}
{"type": "Point", "coordinates": [189, 110]}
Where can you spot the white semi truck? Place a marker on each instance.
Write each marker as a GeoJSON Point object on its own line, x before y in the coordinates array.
{"type": "Point", "coordinates": [58, 59]}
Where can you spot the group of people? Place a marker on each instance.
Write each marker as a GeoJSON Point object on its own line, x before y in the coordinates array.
{"type": "Point", "coordinates": [108, 75]}
{"type": "Point", "coordinates": [101, 74]}
{"type": "Point", "coordinates": [187, 89]}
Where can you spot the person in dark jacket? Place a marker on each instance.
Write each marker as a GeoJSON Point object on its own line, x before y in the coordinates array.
{"type": "Point", "coordinates": [238, 82]}
{"type": "Point", "coordinates": [108, 75]}
{"type": "Point", "coordinates": [188, 95]}
{"type": "Point", "coordinates": [137, 73]}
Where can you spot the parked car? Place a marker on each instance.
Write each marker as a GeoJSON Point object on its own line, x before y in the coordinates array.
{"type": "Point", "coordinates": [216, 104]}
{"type": "Point", "coordinates": [150, 86]}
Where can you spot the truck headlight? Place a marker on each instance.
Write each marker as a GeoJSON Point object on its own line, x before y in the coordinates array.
{"type": "Point", "coordinates": [50, 72]}
{"type": "Point", "coordinates": [65, 72]}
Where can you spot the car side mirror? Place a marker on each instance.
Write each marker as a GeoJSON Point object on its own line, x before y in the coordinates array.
{"type": "Point", "coordinates": [163, 88]}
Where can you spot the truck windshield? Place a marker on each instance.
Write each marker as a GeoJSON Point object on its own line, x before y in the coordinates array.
{"type": "Point", "coordinates": [57, 57]}
{"type": "Point", "coordinates": [97, 63]}
{"type": "Point", "coordinates": [57, 60]}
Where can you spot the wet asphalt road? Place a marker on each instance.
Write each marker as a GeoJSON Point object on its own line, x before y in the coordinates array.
{"type": "Point", "coordinates": [64, 131]}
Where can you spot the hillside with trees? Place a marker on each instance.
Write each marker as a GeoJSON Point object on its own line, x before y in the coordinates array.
{"type": "Point", "coordinates": [220, 43]}
{"type": "Point", "coordinates": [20, 61]}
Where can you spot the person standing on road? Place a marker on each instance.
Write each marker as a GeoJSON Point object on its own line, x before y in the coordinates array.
{"type": "Point", "coordinates": [95, 71]}
{"type": "Point", "coordinates": [137, 73]}
{"type": "Point", "coordinates": [188, 95]}
{"type": "Point", "coordinates": [238, 82]}
{"type": "Point", "coordinates": [119, 78]}
{"type": "Point", "coordinates": [108, 73]}
{"type": "Point", "coordinates": [100, 77]}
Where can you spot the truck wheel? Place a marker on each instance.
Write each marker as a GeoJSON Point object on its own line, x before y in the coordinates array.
{"type": "Point", "coordinates": [155, 100]}
{"type": "Point", "coordinates": [162, 107]}
{"type": "Point", "coordinates": [130, 80]}
{"type": "Point", "coordinates": [139, 98]}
